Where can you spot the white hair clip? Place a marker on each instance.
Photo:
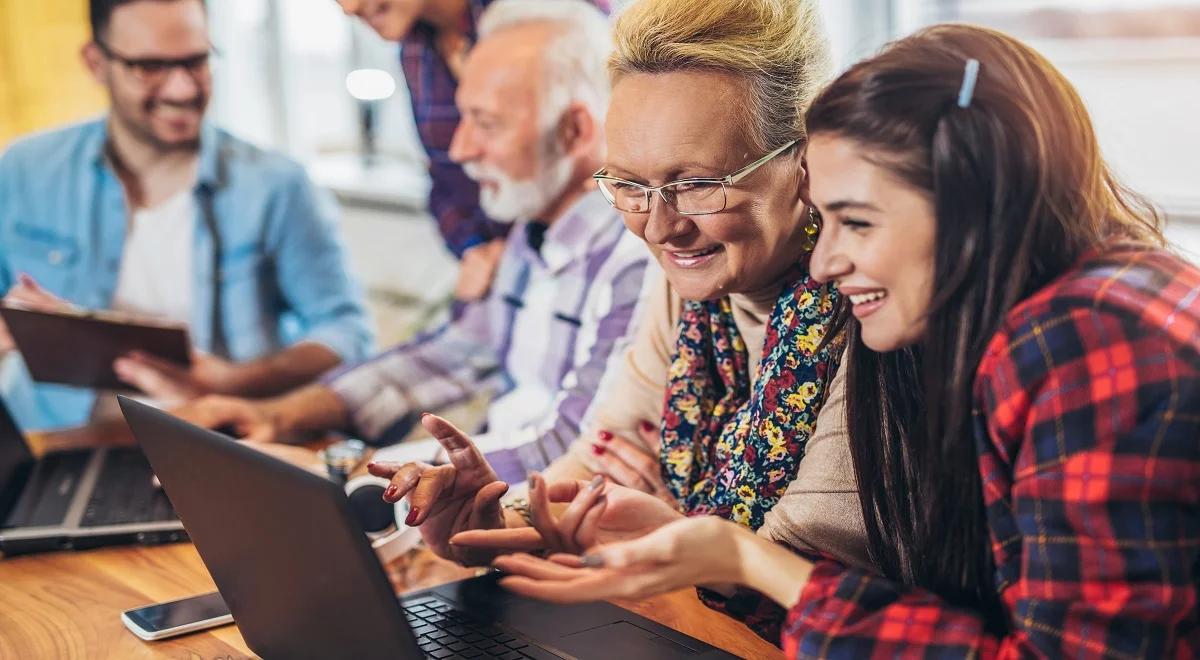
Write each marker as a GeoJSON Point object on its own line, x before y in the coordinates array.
{"type": "Point", "coordinates": [970, 77]}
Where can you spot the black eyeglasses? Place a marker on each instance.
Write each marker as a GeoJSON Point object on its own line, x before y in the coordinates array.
{"type": "Point", "coordinates": [153, 71]}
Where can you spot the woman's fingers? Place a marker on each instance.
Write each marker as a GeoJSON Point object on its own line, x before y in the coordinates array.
{"type": "Point", "coordinates": [536, 568]}
{"type": "Point", "coordinates": [432, 483]}
{"type": "Point", "coordinates": [569, 521]}
{"type": "Point", "coordinates": [651, 435]}
{"type": "Point", "coordinates": [586, 533]}
{"type": "Point", "coordinates": [574, 586]}
{"type": "Point", "coordinates": [518, 538]}
{"type": "Point", "coordinates": [553, 591]}
{"type": "Point", "coordinates": [462, 452]}
{"type": "Point", "coordinates": [403, 477]}
{"type": "Point", "coordinates": [541, 516]}
{"type": "Point", "coordinates": [570, 561]}
{"type": "Point", "coordinates": [385, 469]}
{"type": "Point", "coordinates": [486, 509]}
{"type": "Point", "coordinates": [633, 459]}
{"type": "Point", "coordinates": [615, 468]}
{"type": "Point", "coordinates": [561, 492]}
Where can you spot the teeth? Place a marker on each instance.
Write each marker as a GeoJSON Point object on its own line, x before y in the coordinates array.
{"type": "Point", "coordinates": [694, 253]}
{"type": "Point", "coordinates": [868, 297]}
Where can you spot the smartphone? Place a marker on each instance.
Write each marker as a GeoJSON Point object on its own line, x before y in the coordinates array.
{"type": "Point", "coordinates": [177, 617]}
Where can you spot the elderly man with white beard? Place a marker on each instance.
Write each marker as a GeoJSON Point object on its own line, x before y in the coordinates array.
{"type": "Point", "coordinates": [532, 96]}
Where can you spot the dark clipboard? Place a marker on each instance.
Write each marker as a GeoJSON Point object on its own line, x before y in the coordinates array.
{"type": "Point", "coordinates": [79, 347]}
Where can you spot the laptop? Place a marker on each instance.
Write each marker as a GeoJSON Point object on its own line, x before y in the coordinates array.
{"type": "Point", "coordinates": [292, 562]}
{"type": "Point", "coordinates": [75, 500]}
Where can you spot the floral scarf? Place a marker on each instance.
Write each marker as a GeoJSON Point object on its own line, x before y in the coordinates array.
{"type": "Point", "coordinates": [730, 451]}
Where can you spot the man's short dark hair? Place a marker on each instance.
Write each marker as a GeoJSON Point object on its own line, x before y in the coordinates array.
{"type": "Point", "coordinates": [100, 13]}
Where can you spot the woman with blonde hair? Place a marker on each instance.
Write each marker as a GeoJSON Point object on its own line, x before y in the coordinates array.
{"type": "Point", "coordinates": [1024, 380]}
{"type": "Point", "coordinates": [730, 366]}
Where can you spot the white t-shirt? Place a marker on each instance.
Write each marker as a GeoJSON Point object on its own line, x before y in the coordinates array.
{"type": "Point", "coordinates": [156, 267]}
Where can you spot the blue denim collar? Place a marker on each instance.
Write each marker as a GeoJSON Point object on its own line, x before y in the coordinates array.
{"type": "Point", "coordinates": [209, 170]}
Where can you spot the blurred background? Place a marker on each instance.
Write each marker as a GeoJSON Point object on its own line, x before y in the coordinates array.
{"type": "Point", "coordinates": [298, 76]}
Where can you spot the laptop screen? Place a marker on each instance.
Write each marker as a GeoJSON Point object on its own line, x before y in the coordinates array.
{"type": "Point", "coordinates": [15, 462]}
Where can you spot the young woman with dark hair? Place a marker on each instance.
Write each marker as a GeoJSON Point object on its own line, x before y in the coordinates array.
{"type": "Point", "coordinates": [1023, 383]}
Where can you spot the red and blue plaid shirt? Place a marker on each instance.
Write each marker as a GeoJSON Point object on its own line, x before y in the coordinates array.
{"type": "Point", "coordinates": [1088, 432]}
{"type": "Point", "coordinates": [453, 196]}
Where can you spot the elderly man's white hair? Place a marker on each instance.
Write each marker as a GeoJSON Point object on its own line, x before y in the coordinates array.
{"type": "Point", "coordinates": [574, 62]}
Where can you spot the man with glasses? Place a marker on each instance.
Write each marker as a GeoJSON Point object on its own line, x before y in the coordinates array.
{"type": "Point", "coordinates": [532, 97]}
{"type": "Point", "coordinates": [153, 211]}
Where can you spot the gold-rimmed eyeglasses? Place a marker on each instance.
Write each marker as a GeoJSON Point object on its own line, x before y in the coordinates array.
{"type": "Point", "coordinates": [697, 196]}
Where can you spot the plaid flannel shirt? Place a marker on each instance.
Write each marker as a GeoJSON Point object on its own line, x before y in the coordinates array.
{"type": "Point", "coordinates": [1088, 432]}
{"type": "Point", "coordinates": [453, 196]}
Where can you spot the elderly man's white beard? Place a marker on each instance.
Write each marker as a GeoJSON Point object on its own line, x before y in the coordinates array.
{"type": "Point", "coordinates": [510, 200]}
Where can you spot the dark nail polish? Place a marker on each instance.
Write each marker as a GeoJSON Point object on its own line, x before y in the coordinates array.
{"type": "Point", "coordinates": [647, 426]}
{"type": "Point", "coordinates": [412, 516]}
{"type": "Point", "coordinates": [598, 450]}
{"type": "Point", "coordinates": [390, 492]}
{"type": "Point", "coordinates": [605, 436]}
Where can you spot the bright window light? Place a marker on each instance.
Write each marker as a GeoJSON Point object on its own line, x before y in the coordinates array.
{"type": "Point", "coordinates": [370, 84]}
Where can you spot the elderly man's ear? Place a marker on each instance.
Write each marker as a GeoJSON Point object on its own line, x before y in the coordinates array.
{"type": "Point", "coordinates": [578, 131]}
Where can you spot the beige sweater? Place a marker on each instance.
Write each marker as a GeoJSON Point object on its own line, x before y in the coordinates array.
{"type": "Point", "coordinates": [820, 509]}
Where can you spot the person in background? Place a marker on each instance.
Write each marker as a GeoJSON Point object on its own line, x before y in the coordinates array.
{"type": "Point", "coordinates": [531, 96]}
{"type": "Point", "coordinates": [152, 210]}
{"type": "Point", "coordinates": [434, 37]}
{"type": "Point", "coordinates": [1024, 370]}
{"type": "Point", "coordinates": [729, 366]}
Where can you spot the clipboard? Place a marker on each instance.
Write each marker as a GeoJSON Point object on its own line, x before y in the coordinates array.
{"type": "Point", "coordinates": [78, 347]}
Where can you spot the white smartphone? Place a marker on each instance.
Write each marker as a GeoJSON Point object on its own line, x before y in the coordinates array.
{"type": "Point", "coordinates": [177, 617]}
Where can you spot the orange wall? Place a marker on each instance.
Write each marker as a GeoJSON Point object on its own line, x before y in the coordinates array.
{"type": "Point", "coordinates": [42, 81]}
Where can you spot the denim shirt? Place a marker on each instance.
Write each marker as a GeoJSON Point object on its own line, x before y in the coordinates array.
{"type": "Point", "coordinates": [283, 275]}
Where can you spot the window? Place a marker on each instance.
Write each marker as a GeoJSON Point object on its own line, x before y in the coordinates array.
{"type": "Point", "coordinates": [1135, 62]}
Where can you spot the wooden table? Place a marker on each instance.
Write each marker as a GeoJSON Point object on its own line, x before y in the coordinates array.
{"type": "Point", "coordinates": [68, 604]}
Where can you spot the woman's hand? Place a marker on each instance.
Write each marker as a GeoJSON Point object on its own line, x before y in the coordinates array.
{"type": "Point", "coordinates": [684, 553]}
{"type": "Point", "coordinates": [447, 499]}
{"type": "Point", "coordinates": [633, 463]}
{"type": "Point", "coordinates": [598, 512]}
{"type": "Point", "coordinates": [690, 552]}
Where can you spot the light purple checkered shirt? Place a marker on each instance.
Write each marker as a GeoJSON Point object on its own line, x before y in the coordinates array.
{"type": "Point", "coordinates": [539, 344]}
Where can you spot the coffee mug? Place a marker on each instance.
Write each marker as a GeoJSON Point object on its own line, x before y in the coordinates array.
{"type": "Point", "coordinates": [383, 522]}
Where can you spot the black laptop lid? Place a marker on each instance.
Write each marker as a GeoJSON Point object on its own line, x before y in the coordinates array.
{"type": "Point", "coordinates": [16, 463]}
{"type": "Point", "coordinates": [281, 543]}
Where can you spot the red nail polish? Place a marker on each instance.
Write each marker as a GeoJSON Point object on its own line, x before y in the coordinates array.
{"type": "Point", "coordinates": [370, 465]}
{"type": "Point", "coordinates": [598, 449]}
{"type": "Point", "coordinates": [412, 516]}
{"type": "Point", "coordinates": [605, 436]}
{"type": "Point", "coordinates": [389, 492]}
{"type": "Point", "coordinates": [647, 426]}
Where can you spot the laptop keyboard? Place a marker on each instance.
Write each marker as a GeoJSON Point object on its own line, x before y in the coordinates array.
{"type": "Point", "coordinates": [124, 493]}
{"type": "Point", "coordinates": [445, 633]}
{"type": "Point", "coordinates": [48, 492]}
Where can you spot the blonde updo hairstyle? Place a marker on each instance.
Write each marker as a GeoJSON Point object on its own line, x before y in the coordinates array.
{"type": "Point", "coordinates": [777, 47]}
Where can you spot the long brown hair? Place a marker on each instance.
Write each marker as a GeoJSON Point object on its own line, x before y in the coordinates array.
{"type": "Point", "coordinates": [1021, 193]}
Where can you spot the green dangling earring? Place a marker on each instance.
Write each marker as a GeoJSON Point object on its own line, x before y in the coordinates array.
{"type": "Point", "coordinates": [812, 229]}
